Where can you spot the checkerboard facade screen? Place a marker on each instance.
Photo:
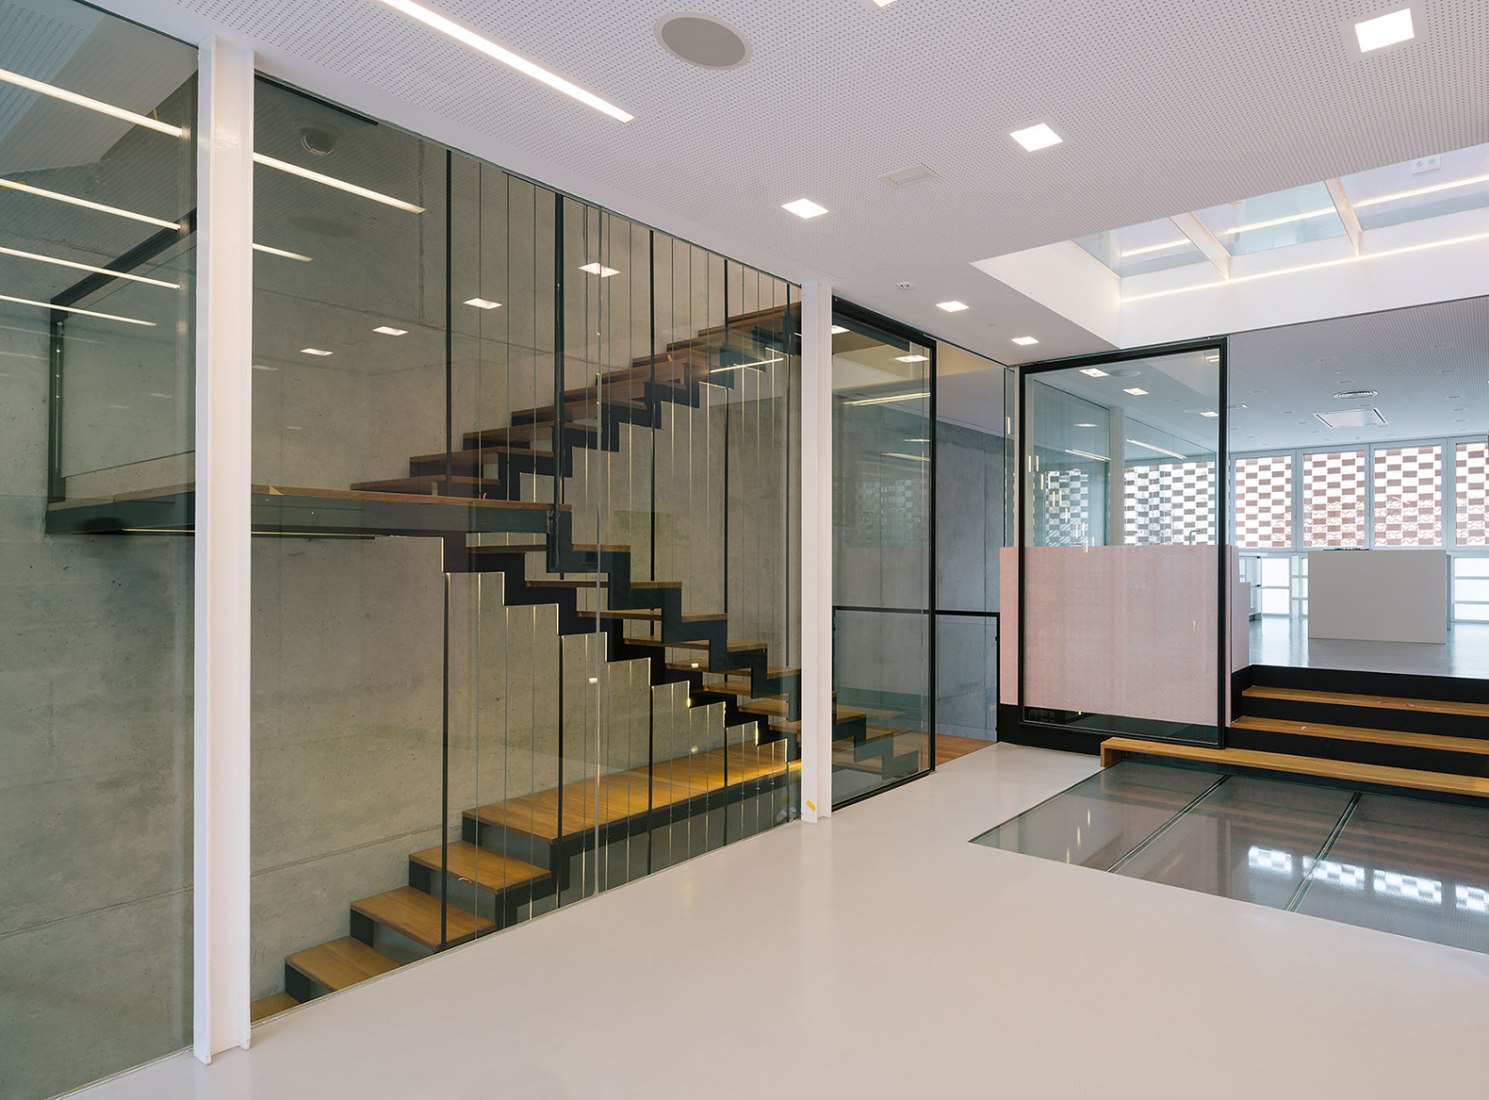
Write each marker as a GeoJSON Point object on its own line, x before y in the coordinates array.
{"type": "Point", "coordinates": [1063, 509]}
{"type": "Point", "coordinates": [1167, 504]}
{"type": "Point", "coordinates": [1473, 494]}
{"type": "Point", "coordinates": [1408, 496]}
{"type": "Point", "coordinates": [1264, 502]}
{"type": "Point", "coordinates": [1334, 499]}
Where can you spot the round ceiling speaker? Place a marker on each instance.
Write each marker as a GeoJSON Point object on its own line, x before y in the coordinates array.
{"type": "Point", "coordinates": [703, 40]}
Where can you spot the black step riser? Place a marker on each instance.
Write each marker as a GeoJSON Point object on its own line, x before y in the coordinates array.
{"type": "Point", "coordinates": [1358, 752]}
{"type": "Point", "coordinates": [1378, 718]}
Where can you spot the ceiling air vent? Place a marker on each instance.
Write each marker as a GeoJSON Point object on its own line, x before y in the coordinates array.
{"type": "Point", "coordinates": [908, 177]}
{"type": "Point", "coordinates": [1353, 418]}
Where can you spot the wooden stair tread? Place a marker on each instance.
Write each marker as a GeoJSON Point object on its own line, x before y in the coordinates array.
{"type": "Point", "coordinates": [340, 963]}
{"type": "Point", "coordinates": [416, 915]}
{"type": "Point", "coordinates": [741, 688]}
{"type": "Point", "coordinates": [487, 869]}
{"type": "Point", "coordinates": [360, 496]}
{"type": "Point", "coordinates": [1381, 702]}
{"type": "Point", "coordinates": [592, 803]}
{"type": "Point", "coordinates": [776, 708]}
{"type": "Point", "coordinates": [774, 671]}
{"type": "Point", "coordinates": [421, 483]}
{"type": "Point", "coordinates": [655, 616]}
{"type": "Point", "coordinates": [1114, 748]}
{"type": "Point", "coordinates": [587, 582]}
{"type": "Point", "coordinates": [272, 1005]}
{"type": "Point", "coordinates": [733, 647]}
{"type": "Point", "coordinates": [1368, 736]}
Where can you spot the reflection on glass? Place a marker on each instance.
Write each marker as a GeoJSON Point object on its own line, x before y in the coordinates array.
{"type": "Point", "coordinates": [882, 440]}
{"type": "Point", "coordinates": [1427, 187]}
{"type": "Point", "coordinates": [532, 627]}
{"type": "Point", "coordinates": [96, 383]}
{"type": "Point", "coordinates": [1277, 220]}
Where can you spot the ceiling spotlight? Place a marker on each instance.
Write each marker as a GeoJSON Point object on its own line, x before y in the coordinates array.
{"type": "Point", "coordinates": [952, 306]}
{"type": "Point", "coordinates": [389, 330]}
{"type": "Point", "coordinates": [599, 269]}
{"type": "Point", "coordinates": [1385, 30]}
{"type": "Point", "coordinates": [1136, 391]}
{"type": "Point", "coordinates": [1035, 138]}
{"type": "Point", "coordinates": [1024, 341]}
{"type": "Point", "coordinates": [804, 208]}
{"type": "Point", "coordinates": [1090, 372]}
{"type": "Point", "coordinates": [313, 351]}
{"type": "Point", "coordinates": [912, 358]}
{"type": "Point", "coordinates": [482, 303]}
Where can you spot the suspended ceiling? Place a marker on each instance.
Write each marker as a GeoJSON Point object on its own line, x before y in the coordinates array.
{"type": "Point", "coordinates": [1164, 105]}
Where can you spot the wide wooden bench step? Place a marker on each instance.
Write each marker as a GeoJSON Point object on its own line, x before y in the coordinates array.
{"type": "Point", "coordinates": [431, 485]}
{"type": "Point", "coordinates": [1366, 736]}
{"type": "Point", "coordinates": [272, 1005]}
{"type": "Point", "coordinates": [487, 869]}
{"type": "Point", "coordinates": [340, 963]}
{"type": "Point", "coordinates": [1116, 748]}
{"type": "Point", "coordinates": [416, 915]}
{"type": "Point", "coordinates": [1378, 702]}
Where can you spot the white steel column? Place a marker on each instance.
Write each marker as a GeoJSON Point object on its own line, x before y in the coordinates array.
{"type": "Point", "coordinates": [224, 400]}
{"type": "Point", "coordinates": [816, 551]}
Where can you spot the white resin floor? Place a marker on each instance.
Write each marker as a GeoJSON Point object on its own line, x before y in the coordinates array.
{"type": "Point", "coordinates": [882, 955]}
{"type": "Point", "coordinates": [1277, 640]}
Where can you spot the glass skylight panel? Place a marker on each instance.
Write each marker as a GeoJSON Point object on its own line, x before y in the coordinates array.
{"type": "Point", "coordinates": [1283, 218]}
{"type": "Point", "coordinates": [1140, 249]}
{"type": "Point", "coordinates": [1423, 188]}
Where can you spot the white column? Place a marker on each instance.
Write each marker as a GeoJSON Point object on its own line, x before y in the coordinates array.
{"type": "Point", "coordinates": [816, 551]}
{"type": "Point", "coordinates": [224, 400]}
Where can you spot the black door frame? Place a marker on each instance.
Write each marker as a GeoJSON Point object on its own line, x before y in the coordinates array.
{"type": "Point", "coordinates": [1012, 723]}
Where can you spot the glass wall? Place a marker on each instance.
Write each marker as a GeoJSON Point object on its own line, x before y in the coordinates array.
{"type": "Point", "coordinates": [1121, 566]}
{"type": "Point", "coordinates": [882, 566]}
{"type": "Point", "coordinates": [526, 588]}
{"type": "Point", "coordinates": [97, 200]}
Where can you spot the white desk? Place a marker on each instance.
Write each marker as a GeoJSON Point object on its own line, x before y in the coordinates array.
{"type": "Point", "coordinates": [1378, 595]}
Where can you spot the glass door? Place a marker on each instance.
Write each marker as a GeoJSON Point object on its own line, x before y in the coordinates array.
{"type": "Point", "coordinates": [1123, 572]}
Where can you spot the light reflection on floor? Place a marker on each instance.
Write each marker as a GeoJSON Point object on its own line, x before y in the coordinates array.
{"type": "Point", "coordinates": [1404, 865]}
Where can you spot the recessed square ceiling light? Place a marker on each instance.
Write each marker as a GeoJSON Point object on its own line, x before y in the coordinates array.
{"type": "Point", "coordinates": [1353, 418]}
{"type": "Point", "coordinates": [1385, 30]}
{"type": "Point", "coordinates": [1211, 413]}
{"type": "Point", "coordinates": [912, 358]}
{"type": "Point", "coordinates": [1136, 391]}
{"type": "Point", "coordinates": [313, 351]}
{"type": "Point", "coordinates": [804, 208]}
{"type": "Point", "coordinates": [838, 330]}
{"type": "Point", "coordinates": [1035, 138]}
{"type": "Point", "coordinates": [1024, 341]}
{"type": "Point", "coordinates": [389, 330]}
{"type": "Point", "coordinates": [1094, 372]}
{"type": "Point", "coordinates": [883, 3]}
{"type": "Point", "coordinates": [952, 306]}
{"type": "Point", "coordinates": [599, 269]}
{"type": "Point", "coordinates": [482, 303]}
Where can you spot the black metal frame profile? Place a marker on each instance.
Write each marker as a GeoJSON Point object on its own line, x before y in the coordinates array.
{"type": "Point", "coordinates": [898, 332]}
{"type": "Point", "coordinates": [1017, 723]}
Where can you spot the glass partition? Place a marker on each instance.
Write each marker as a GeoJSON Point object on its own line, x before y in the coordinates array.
{"type": "Point", "coordinates": [97, 193]}
{"type": "Point", "coordinates": [882, 565]}
{"type": "Point", "coordinates": [1122, 558]}
{"type": "Point", "coordinates": [526, 592]}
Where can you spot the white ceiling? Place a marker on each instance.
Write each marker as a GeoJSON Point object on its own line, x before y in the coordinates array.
{"type": "Point", "coordinates": [1430, 364]}
{"type": "Point", "coordinates": [1165, 105]}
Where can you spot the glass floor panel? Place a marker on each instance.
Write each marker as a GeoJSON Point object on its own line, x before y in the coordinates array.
{"type": "Point", "coordinates": [1101, 819]}
{"type": "Point", "coordinates": [1415, 868]}
{"type": "Point", "coordinates": [1409, 866]}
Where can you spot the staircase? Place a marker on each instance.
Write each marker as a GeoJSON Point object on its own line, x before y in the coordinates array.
{"type": "Point", "coordinates": [523, 850]}
{"type": "Point", "coordinates": [1380, 730]}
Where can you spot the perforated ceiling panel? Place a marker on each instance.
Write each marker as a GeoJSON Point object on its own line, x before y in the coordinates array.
{"type": "Point", "coordinates": [1164, 105]}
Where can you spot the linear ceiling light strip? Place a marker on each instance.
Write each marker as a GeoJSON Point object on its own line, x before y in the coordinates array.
{"type": "Point", "coordinates": [340, 185]}
{"type": "Point", "coordinates": [75, 309]}
{"type": "Point", "coordinates": [92, 104]}
{"type": "Point", "coordinates": [87, 204]}
{"type": "Point", "coordinates": [87, 267]}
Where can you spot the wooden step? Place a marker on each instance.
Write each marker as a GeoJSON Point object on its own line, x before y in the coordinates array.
{"type": "Point", "coordinates": [473, 461]}
{"type": "Point", "coordinates": [1379, 702]}
{"type": "Point", "coordinates": [430, 485]}
{"type": "Point", "coordinates": [272, 1005]}
{"type": "Point", "coordinates": [775, 671]}
{"type": "Point", "coordinates": [340, 963]}
{"type": "Point", "coordinates": [777, 707]}
{"type": "Point", "coordinates": [657, 643]}
{"type": "Point", "coordinates": [1116, 748]}
{"type": "Point", "coordinates": [643, 616]}
{"type": "Point", "coordinates": [1398, 738]}
{"type": "Point", "coordinates": [488, 870]}
{"type": "Point", "coordinates": [519, 433]}
{"type": "Point", "coordinates": [416, 915]}
{"type": "Point", "coordinates": [740, 688]}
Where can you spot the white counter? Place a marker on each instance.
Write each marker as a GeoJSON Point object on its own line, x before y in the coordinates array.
{"type": "Point", "coordinates": [1378, 595]}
